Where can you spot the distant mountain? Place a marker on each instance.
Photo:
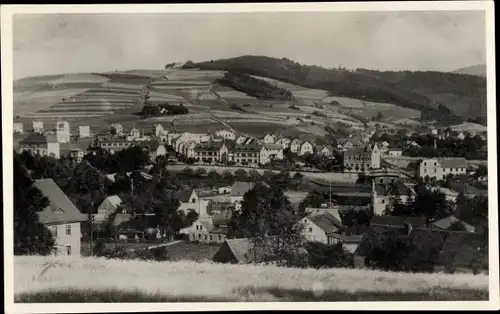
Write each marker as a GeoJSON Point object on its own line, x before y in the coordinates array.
{"type": "Point", "coordinates": [441, 96]}
{"type": "Point", "coordinates": [478, 69]}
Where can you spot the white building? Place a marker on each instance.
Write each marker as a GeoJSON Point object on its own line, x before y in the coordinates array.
{"type": "Point", "coordinates": [270, 152]}
{"type": "Point", "coordinates": [38, 144]}
{"type": "Point", "coordinates": [238, 190]}
{"type": "Point", "coordinates": [117, 129]}
{"type": "Point", "coordinates": [295, 145]}
{"type": "Point", "coordinates": [18, 128]}
{"type": "Point", "coordinates": [38, 126]}
{"type": "Point", "coordinates": [225, 134]}
{"type": "Point", "coordinates": [134, 133]}
{"type": "Point", "coordinates": [440, 167]}
{"type": "Point", "coordinates": [84, 131]}
{"type": "Point", "coordinates": [62, 218]}
{"type": "Point", "coordinates": [306, 148]}
{"type": "Point", "coordinates": [241, 139]}
{"type": "Point", "coordinates": [63, 132]}
{"type": "Point", "coordinates": [284, 142]}
{"type": "Point", "coordinates": [158, 130]}
{"type": "Point", "coordinates": [269, 139]}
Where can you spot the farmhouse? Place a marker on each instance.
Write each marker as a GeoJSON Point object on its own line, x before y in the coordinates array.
{"type": "Point", "coordinates": [38, 144]}
{"type": "Point", "coordinates": [38, 126]}
{"type": "Point", "coordinates": [295, 145]}
{"type": "Point", "coordinates": [117, 129]}
{"type": "Point", "coordinates": [441, 167]}
{"type": "Point", "coordinates": [61, 217]}
{"type": "Point", "coordinates": [18, 128]}
{"type": "Point", "coordinates": [225, 134]}
{"type": "Point", "coordinates": [237, 251]}
{"type": "Point", "coordinates": [84, 131]}
{"type": "Point", "coordinates": [270, 152]}
{"type": "Point", "coordinates": [208, 230]}
{"type": "Point", "coordinates": [361, 159]}
{"type": "Point", "coordinates": [306, 148]}
{"type": "Point", "coordinates": [247, 154]}
{"type": "Point", "coordinates": [63, 133]}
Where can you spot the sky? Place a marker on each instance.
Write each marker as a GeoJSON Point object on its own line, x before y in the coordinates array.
{"type": "Point", "coordinates": [413, 40]}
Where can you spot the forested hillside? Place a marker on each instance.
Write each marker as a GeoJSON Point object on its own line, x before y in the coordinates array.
{"type": "Point", "coordinates": [464, 95]}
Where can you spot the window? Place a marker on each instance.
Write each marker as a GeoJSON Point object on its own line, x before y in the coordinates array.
{"type": "Point", "coordinates": [53, 230]}
{"type": "Point", "coordinates": [435, 164]}
{"type": "Point", "coordinates": [68, 229]}
{"type": "Point", "coordinates": [310, 229]}
{"type": "Point", "coordinates": [220, 238]}
{"type": "Point", "coordinates": [193, 200]}
{"type": "Point", "coordinates": [425, 164]}
{"type": "Point", "coordinates": [381, 180]}
{"type": "Point", "coordinates": [206, 237]}
{"type": "Point", "coordinates": [68, 249]}
{"type": "Point", "coordinates": [210, 237]}
{"type": "Point", "coordinates": [383, 201]}
{"type": "Point", "coordinates": [199, 237]}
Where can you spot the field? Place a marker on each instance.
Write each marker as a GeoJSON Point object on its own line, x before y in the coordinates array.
{"type": "Point", "coordinates": [65, 279]}
{"type": "Point", "coordinates": [100, 99]}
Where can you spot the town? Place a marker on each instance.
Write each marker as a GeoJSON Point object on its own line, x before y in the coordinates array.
{"type": "Point", "coordinates": [342, 191]}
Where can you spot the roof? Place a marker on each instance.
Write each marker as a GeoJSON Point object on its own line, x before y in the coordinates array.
{"type": "Point", "coordinates": [447, 222]}
{"type": "Point", "coordinates": [397, 221]}
{"type": "Point", "coordinates": [206, 223]}
{"type": "Point", "coordinates": [396, 188]}
{"type": "Point", "coordinates": [326, 222]}
{"type": "Point", "coordinates": [453, 162]}
{"type": "Point", "coordinates": [115, 200]}
{"type": "Point", "coordinates": [358, 151]}
{"type": "Point", "coordinates": [241, 249]}
{"type": "Point", "coordinates": [348, 238]}
{"type": "Point", "coordinates": [215, 146]}
{"type": "Point", "coordinates": [239, 188]}
{"type": "Point", "coordinates": [184, 195]}
{"type": "Point", "coordinates": [395, 150]}
{"type": "Point", "coordinates": [120, 219]}
{"type": "Point", "coordinates": [36, 138]}
{"type": "Point", "coordinates": [60, 209]}
{"type": "Point", "coordinates": [219, 230]}
{"type": "Point", "coordinates": [273, 146]}
{"type": "Point", "coordinates": [248, 147]}
{"type": "Point", "coordinates": [335, 212]}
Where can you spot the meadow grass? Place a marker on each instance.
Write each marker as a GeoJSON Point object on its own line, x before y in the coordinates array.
{"type": "Point", "coordinates": [99, 280]}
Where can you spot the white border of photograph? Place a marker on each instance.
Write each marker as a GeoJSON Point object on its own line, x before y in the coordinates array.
{"type": "Point", "coordinates": [7, 117]}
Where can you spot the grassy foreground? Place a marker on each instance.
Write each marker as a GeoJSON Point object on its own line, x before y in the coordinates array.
{"type": "Point", "coordinates": [44, 279]}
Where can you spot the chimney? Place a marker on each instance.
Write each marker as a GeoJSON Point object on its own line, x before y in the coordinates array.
{"type": "Point", "coordinates": [435, 144]}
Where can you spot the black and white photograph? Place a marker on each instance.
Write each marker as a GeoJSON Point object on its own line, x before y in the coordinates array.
{"type": "Point", "coordinates": [164, 154]}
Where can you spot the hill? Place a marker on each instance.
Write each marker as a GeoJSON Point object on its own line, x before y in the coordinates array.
{"type": "Point", "coordinates": [67, 279]}
{"type": "Point", "coordinates": [478, 69]}
{"type": "Point", "coordinates": [463, 96]}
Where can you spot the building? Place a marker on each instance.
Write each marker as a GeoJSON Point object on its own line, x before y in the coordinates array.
{"type": "Point", "coordinates": [326, 150]}
{"type": "Point", "coordinates": [269, 139]}
{"type": "Point", "coordinates": [461, 136]}
{"type": "Point", "coordinates": [211, 152]}
{"type": "Point", "coordinates": [225, 134]}
{"type": "Point", "coordinates": [439, 168]}
{"type": "Point", "coordinates": [77, 155]}
{"type": "Point", "coordinates": [63, 132]}
{"type": "Point", "coordinates": [114, 145]}
{"type": "Point", "coordinates": [38, 126]}
{"type": "Point", "coordinates": [209, 229]}
{"type": "Point", "coordinates": [270, 152]}
{"type": "Point", "coordinates": [447, 223]}
{"type": "Point", "coordinates": [241, 139]}
{"type": "Point", "coordinates": [394, 152]}
{"type": "Point", "coordinates": [345, 144]}
{"type": "Point", "coordinates": [107, 207]}
{"type": "Point", "coordinates": [295, 145]}
{"type": "Point", "coordinates": [321, 227]}
{"type": "Point", "coordinates": [305, 148]}
{"type": "Point", "coordinates": [117, 129]}
{"type": "Point", "coordinates": [237, 251]}
{"type": "Point", "coordinates": [38, 144]}
{"type": "Point", "coordinates": [238, 190]}
{"type": "Point", "coordinates": [135, 133]}
{"type": "Point", "coordinates": [190, 200]}
{"type": "Point", "coordinates": [159, 131]}
{"type": "Point", "coordinates": [383, 194]}
{"type": "Point", "coordinates": [360, 159]}
{"type": "Point", "coordinates": [247, 154]}
{"type": "Point", "coordinates": [61, 217]}
{"type": "Point", "coordinates": [154, 148]}
{"type": "Point", "coordinates": [284, 142]}
{"type": "Point", "coordinates": [84, 131]}
{"type": "Point", "coordinates": [18, 127]}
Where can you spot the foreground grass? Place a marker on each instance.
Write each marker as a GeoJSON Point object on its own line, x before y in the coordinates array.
{"type": "Point", "coordinates": [43, 279]}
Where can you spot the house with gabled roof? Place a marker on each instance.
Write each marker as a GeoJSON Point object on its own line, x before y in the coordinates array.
{"type": "Point", "coordinates": [284, 142]}
{"type": "Point", "coordinates": [61, 217]}
{"type": "Point", "coordinates": [383, 194]}
{"type": "Point", "coordinates": [238, 190]}
{"type": "Point", "coordinates": [439, 168]}
{"type": "Point", "coordinates": [305, 148]}
{"type": "Point", "coordinates": [326, 150]}
{"type": "Point", "coordinates": [39, 144]}
{"type": "Point", "coordinates": [447, 222]}
{"type": "Point", "coordinates": [270, 152]}
{"type": "Point", "coordinates": [320, 227]}
{"type": "Point", "coordinates": [238, 251]}
{"type": "Point", "coordinates": [108, 206]}
{"type": "Point", "coordinates": [295, 145]}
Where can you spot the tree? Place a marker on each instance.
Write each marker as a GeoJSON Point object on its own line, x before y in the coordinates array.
{"type": "Point", "coordinates": [165, 207]}
{"type": "Point", "coordinates": [270, 222]}
{"type": "Point", "coordinates": [389, 251]}
{"type": "Point", "coordinates": [30, 236]}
